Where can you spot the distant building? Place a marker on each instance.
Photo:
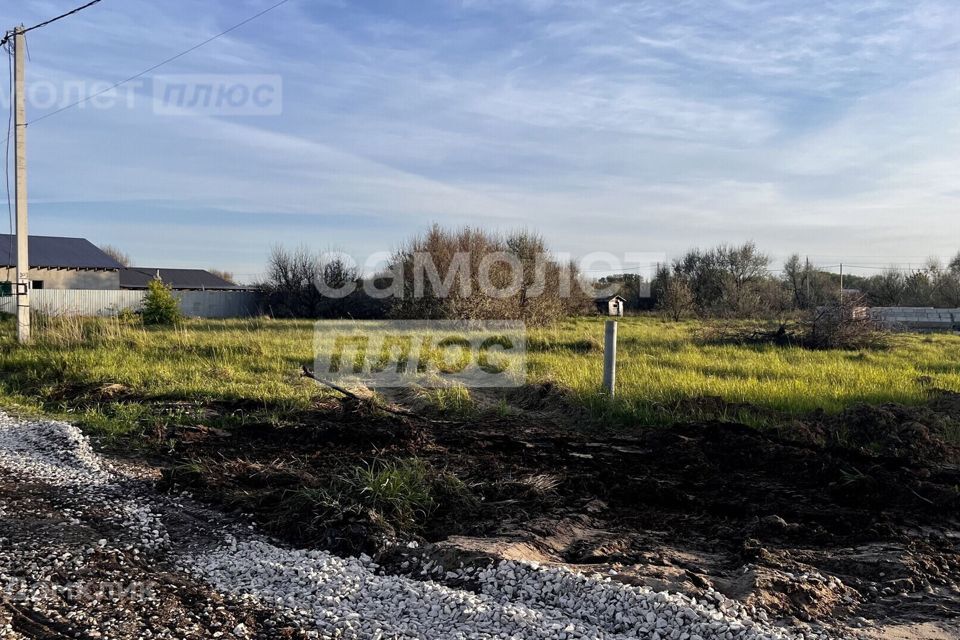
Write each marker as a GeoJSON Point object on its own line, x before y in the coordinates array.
{"type": "Point", "coordinates": [610, 305]}
{"type": "Point", "coordinates": [60, 263]}
{"type": "Point", "coordinates": [176, 279]}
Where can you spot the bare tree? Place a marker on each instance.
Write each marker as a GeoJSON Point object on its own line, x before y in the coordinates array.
{"type": "Point", "coordinates": [677, 301]}
{"type": "Point", "coordinates": [473, 274]}
{"type": "Point", "coordinates": [302, 284]}
{"type": "Point", "coordinates": [223, 275]}
{"type": "Point", "coordinates": [289, 286]}
{"type": "Point", "coordinates": [115, 253]}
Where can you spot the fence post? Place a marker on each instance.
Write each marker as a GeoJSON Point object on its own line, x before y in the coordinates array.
{"type": "Point", "coordinates": [610, 358]}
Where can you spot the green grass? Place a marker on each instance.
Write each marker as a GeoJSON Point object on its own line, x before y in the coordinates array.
{"type": "Point", "coordinates": [169, 375]}
{"type": "Point", "coordinates": [400, 490]}
{"type": "Point", "coordinates": [661, 364]}
{"type": "Point", "coordinates": [252, 364]}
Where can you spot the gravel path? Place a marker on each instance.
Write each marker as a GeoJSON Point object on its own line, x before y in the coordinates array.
{"type": "Point", "coordinates": [209, 577]}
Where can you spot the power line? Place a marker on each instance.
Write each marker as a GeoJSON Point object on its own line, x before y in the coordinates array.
{"type": "Point", "coordinates": [160, 64]}
{"type": "Point", "coordinates": [6, 38]}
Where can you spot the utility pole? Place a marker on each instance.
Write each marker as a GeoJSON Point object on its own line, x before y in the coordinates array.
{"type": "Point", "coordinates": [20, 146]}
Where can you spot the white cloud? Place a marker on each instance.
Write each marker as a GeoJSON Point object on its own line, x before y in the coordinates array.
{"type": "Point", "coordinates": [653, 125]}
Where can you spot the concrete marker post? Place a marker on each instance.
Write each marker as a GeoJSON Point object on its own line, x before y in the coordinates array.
{"type": "Point", "coordinates": [610, 358]}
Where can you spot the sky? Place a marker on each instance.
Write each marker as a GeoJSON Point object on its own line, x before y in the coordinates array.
{"type": "Point", "coordinates": [831, 129]}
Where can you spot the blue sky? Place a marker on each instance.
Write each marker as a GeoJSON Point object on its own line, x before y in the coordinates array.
{"type": "Point", "coordinates": [828, 128]}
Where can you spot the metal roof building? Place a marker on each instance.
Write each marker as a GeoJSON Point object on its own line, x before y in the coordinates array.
{"type": "Point", "coordinates": [51, 252]}
{"type": "Point", "coordinates": [60, 263]}
{"type": "Point", "coordinates": [177, 279]}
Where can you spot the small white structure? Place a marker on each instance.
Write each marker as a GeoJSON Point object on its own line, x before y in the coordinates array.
{"type": "Point", "coordinates": [611, 305]}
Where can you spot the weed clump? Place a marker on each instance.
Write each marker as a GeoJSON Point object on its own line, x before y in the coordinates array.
{"type": "Point", "coordinates": [400, 491]}
{"type": "Point", "coordinates": [393, 498]}
{"type": "Point", "coordinates": [826, 329]}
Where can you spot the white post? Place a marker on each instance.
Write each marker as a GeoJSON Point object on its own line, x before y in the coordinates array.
{"type": "Point", "coordinates": [610, 358]}
{"type": "Point", "coordinates": [841, 287]}
{"type": "Point", "coordinates": [20, 145]}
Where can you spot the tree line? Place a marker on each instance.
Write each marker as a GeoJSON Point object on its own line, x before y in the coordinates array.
{"type": "Point", "coordinates": [461, 274]}
{"type": "Point", "coordinates": [738, 281]}
{"type": "Point", "coordinates": [470, 273]}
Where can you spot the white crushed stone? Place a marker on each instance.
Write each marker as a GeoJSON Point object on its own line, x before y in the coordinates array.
{"type": "Point", "coordinates": [349, 598]}
{"type": "Point", "coordinates": [346, 597]}
{"type": "Point", "coordinates": [55, 453]}
{"type": "Point", "coordinates": [58, 454]}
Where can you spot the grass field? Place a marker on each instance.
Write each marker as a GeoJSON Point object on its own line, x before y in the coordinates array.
{"type": "Point", "coordinates": [663, 371]}
{"type": "Point", "coordinates": [662, 364]}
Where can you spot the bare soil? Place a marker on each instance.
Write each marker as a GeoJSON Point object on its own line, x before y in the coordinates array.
{"type": "Point", "coordinates": [847, 521]}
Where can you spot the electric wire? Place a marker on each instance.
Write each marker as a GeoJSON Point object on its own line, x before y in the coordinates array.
{"type": "Point", "coordinates": [160, 64]}
{"type": "Point", "coordinates": [10, 33]}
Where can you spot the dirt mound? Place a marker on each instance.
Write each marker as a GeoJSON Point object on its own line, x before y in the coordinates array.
{"type": "Point", "coordinates": [924, 435]}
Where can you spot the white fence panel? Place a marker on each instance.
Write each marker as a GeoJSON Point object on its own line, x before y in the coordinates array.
{"type": "Point", "coordinates": [83, 302]}
{"type": "Point", "coordinates": [93, 302]}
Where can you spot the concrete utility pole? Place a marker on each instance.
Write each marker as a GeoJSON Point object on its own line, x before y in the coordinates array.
{"type": "Point", "coordinates": [20, 145]}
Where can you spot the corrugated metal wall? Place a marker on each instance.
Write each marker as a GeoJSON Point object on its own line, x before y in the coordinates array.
{"type": "Point", "coordinates": [89, 302]}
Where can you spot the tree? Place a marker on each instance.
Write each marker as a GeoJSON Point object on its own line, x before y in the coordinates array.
{"type": "Point", "coordinates": [303, 284]}
{"type": "Point", "coordinates": [807, 286]}
{"type": "Point", "coordinates": [796, 275]}
{"type": "Point", "coordinates": [725, 280]}
{"type": "Point", "coordinates": [918, 289]}
{"type": "Point", "coordinates": [160, 307]}
{"type": "Point", "coordinates": [743, 268]}
{"type": "Point", "coordinates": [886, 289]}
{"type": "Point", "coordinates": [115, 253]}
{"type": "Point", "coordinates": [289, 287]}
{"type": "Point", "coordinates": [633, 287]}
{"type": "Point", "coordinates": [223, 275]}
{"type": "Point", "coordinates": [678, 301]}
{"type": "Point", "coordinates": [954, 265]}
{"type": "Point", "coordinates": [471, 274]}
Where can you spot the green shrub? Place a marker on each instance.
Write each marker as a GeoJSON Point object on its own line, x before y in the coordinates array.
{"type": "Point", "coordinates": [160, 307]}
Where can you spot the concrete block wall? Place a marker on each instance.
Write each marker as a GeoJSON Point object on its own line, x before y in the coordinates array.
{"type": "Point", "coordinates": [916, 318]}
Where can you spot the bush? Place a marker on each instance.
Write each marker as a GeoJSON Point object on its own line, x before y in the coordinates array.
{"type": "Point", "coordinates": [828, 327]}
{"type": "Point", "coordinates": [160, 307]}
{"type": "Point", "coordinates": [840, 327]}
